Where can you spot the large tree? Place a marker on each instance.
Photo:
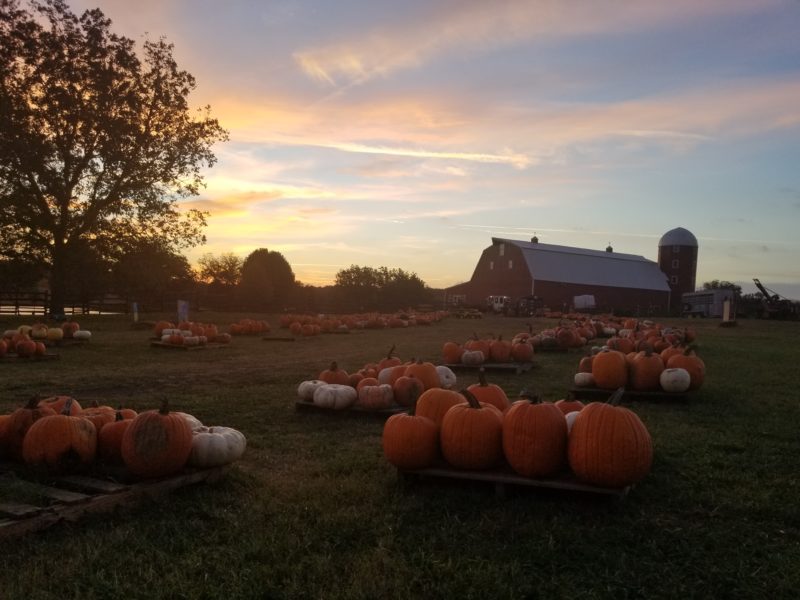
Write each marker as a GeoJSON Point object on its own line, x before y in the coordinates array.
{"type": "Point", "coordinates": [267, 280]}
{"type": "Point", "coordinates": [384, 288]}
{"type": "Point", "coordinates": [97, 140]}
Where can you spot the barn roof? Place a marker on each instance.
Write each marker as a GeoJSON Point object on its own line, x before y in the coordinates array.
{"type": "Point", "coordinates": [549, 262]}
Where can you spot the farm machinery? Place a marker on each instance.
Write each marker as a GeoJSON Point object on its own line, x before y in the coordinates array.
{"type": "Point", "coordinates": [775, 306]}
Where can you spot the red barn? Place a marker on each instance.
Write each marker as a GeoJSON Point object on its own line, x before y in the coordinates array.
{"type": "Point", "coordinates": [563, 278]}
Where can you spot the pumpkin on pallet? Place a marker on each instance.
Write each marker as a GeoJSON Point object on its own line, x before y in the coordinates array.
{"type": "Point", "coordinates": [216, 446]}
{"type": "Point", "coordinates": [535, 437]}
{"type": "Point", "coordinates": [609, 445]}
{"type": "Point", "coordinates": [157, 443]}
{"type": "Point", "coordinates": [58, 440]}
{"type": "Point", "coordinates": [410, 441]}
{"type": "Point", "coordinates": [471, 434]}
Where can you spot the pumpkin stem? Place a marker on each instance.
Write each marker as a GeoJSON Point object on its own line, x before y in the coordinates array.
{"type": "Point", "coordinates": [164, 410]}
{"type": "Point", "coordinates": [390, 353]}
{"type": "Point", "coordinates": [482, 377]}
{"type": "Point", "coordinates": [616, 397]}
{"type": "Point", "coordinates": [118, 416]}
{"type": "Point", "coordinates": [67, 407]}
{"type": "Point", "coordinates": [471, 399]}
{"type": "Point", "coordinates": [531, 397]}
{"type": "Point", "coordinates": [333, 366]}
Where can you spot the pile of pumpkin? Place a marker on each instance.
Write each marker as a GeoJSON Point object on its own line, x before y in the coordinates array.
{"type": "Point", "coordinates": [477, 351]}
{"type": "Point", "coordinates": [56, 432]}
{"type": "Point", "coordinates": [189, 333]}
{"type": "Point", "coordinates": [644, 360]}
{"type": "Point", "coordinates": [31, 340]}
{"type": "Point", "coordinates": [602, 444]}
{"type": "Point", "coordinates": [379, 385]}
{"type": "Point", "coordinates": [249, 327]}
{"type": "Point", "coordinates": [306, 324]}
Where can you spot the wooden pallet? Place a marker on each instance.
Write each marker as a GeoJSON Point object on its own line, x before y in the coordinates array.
{"type": "Point", "coordinates": [277, 338]}
{"type": "Point", "coordinates": [182, 347]}
{"type": "Point", "coordinates": [505, 478]}
{"type": "Point", "coordinates": [586, 393]}
{"type": "Point", "coordinates": [512, 366]}
{"type": "Point", "coordinates": [71, 497]}
{"type": "Point", "coordinates": [305, 405]}
{"type": "Point", "coordinates": [13, 358]}
{"type": "Point", "coordinates": [65, 342]}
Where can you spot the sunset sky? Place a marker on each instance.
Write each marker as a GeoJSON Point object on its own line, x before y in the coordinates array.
{"type": "Point", "coordinates": [407, 134]}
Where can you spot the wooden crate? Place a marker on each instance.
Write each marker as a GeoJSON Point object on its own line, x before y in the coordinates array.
{"type": "Point", "coordinates": [305, 405]}
{"type": "Point", "coordinates": [587, 393]}
{"type": "Point", "coordinates": [504, 478]}
{"type": "Point", "coordinates": [72, 497]}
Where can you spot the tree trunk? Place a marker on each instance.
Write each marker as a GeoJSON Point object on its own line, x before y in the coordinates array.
{"type": "Point", "coordinates": [58, 280]}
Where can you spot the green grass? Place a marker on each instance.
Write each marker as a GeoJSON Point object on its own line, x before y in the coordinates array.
{"type": "Point", "coordinates": [314, 511]}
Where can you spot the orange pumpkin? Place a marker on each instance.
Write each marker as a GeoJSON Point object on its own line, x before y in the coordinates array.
{"type": "Point", "coordinates": [57, 403]}
{"type": "Point", "coordinates": [109, 439]}
{"type": "Point", "coordinates": [535, 438]}
{"type": "Point", "coordinates": [489, 393]}
{"type": "Point", "coordinates": [609, 445]}
{"type": "Point", "coordinates": [645, 370]}
{"type": "Point", "coordinates": [425, 372]}
{"type": "Point", "coordinates": [17, 425]}
{"type": "Point", "coordinates": [334, 374]}
{"type": "Point", "coordinates": [471, 435]}
{"type": "Point", "coordinates": [410, 441]}
{"type": "Point", "coordinates": [435, 402]}
{"type": "Point", "coordinates": [57, 440]}
{"type": "Point", "coordinates": [691, 362]}
{"type": "Point", "coordinates": [609, 369]}
{"type": "Point", "coordinates": [156, 443]}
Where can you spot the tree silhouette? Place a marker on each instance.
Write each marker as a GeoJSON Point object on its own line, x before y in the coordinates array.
{"type": "Point", "coordinates": [96, 143]}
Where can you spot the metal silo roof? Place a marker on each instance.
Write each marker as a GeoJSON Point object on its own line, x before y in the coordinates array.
{"type": "Point", "coordinates": [678, 237]}
{"type": "Point", "coordinates": [549, 262]}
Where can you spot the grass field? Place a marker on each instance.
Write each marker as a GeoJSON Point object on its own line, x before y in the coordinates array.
{"type": "Point", "coordinates": [314, 511]}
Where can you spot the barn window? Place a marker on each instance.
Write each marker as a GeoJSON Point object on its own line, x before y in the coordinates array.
{"type": "Point", "coordinates": [502, 249]}
{"type": "Point", "coordinates": [676, 249]}
{"type": "Point", "coordinates": [510, 264]}
{"type": "Point", "coordinates": [675, 264]}
{"type": "Point", "coordinates": [673, 279]}
{"type": "Point", "coordinates": [491, 265]}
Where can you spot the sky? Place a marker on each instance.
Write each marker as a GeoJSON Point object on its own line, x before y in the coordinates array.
{"type": "Point", "coordinates": [408, 134]}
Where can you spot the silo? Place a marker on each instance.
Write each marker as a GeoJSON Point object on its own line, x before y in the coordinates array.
{"type": "Point", "coordinates": [677, 259]}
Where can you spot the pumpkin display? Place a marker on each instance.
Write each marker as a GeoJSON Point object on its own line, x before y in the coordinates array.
{"type": "Point", "coordinates": [471, 434]}
{"type": "Point", "coordinates": [69, 328]}
{"type": "Point", "coordinates": [500, 350]}
{"type": "Point", "coordinates": [99, 415]}
{"type": "Point", "coordinates": [522, 351]}
{"type": "Point", "coordinates": [410, 441]}
{"type": "Point", "coordinates": [54, 334]}
{"type": "Point", "coordinates": [216, 446]}
{"type": "Point", "coordinates": [375, 397]}
{"type": "Point", "coordinates": [156, 443]}
{"type": "Point", "coordinates": [335, 395]}
{"type": "Point", "coordinates": [489, 393]}
{"type": "Point", "coordinates": [17, 425]}
{"type": "Point", "coordinates": [675, 380]}
{"type": "Point", "coordinates": [57, 440]}
{"type": "Point", "coordinates": [609, 445]}
{"type": "Point", "coordinates": [535, 438]}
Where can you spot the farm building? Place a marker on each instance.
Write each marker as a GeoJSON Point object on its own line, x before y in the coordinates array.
{"type": "Point", "coordinates": [563, 278]}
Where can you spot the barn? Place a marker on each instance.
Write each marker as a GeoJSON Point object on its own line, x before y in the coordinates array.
{"type": "Point", "coordinates": [563, 278]}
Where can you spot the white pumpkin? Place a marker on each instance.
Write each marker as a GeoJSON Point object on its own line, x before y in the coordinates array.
{"type": "Point", "coordinates": [609, 331]}
{"type": "Point", "coordinates": [385, 375]}
{"type": "Point", "coordinates": [336, 396]}
{"type": "Point", "coordinates": [193, 421]}
{"type": "Point", "coordinates": [570, 417]}
{"type": "Point", "coordinates": [216, 446]}
{"type": "Point", "coordinates": [39, 332]}
{"type": "Point", "coordinates": [472, 357]}
{"type": "Point", "coordinates": [584, 380]}
{"type": "Point", "coordinates": [10, 333]}
{"type": "Point", "coordinates": [447, 379]}
{"type": "Point", "coordinates": [191, 340]}
{"type": "Point", "coordinates": [82, 334]}
{"type": "Point", "coordinates": [306, 389]}
{"type": "Point", "coordinates": [675, 380]}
